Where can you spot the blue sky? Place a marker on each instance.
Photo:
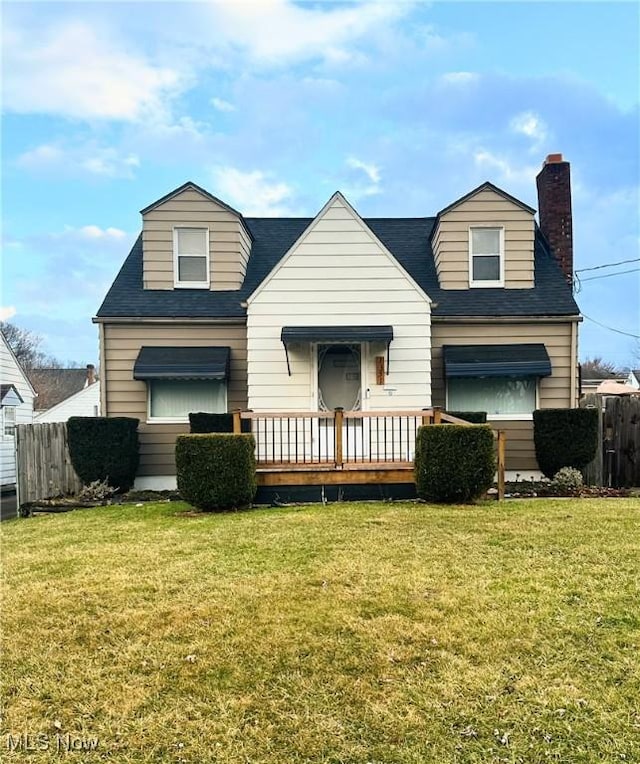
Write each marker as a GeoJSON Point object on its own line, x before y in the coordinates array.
{"type": "Point", "coordinates": [273, 105]}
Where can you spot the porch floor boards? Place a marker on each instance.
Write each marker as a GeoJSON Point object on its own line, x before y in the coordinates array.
{"type": "Point", "coordinates": [327, 473]}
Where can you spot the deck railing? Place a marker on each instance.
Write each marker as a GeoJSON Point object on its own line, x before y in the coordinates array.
{"type": "Point", "coordinates": [345, 440]}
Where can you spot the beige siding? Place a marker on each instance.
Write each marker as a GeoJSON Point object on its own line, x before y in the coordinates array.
{"type": "Point", "coordinates": [338, 275]}
{"type": "Point", "coordinates": [126, 396]}
{"type": "Point", "coordinates": [229, 243]}
{"type": "Point", "coordinates": [451, 240]}
{"type": "Point", "coordinates": [556, 391]}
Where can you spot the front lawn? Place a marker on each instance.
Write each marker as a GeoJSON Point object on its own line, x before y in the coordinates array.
{"type": "Point", "coordinates": [343, 633]}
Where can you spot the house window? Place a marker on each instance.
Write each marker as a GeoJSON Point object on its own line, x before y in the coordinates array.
{"type": "Point", "coordinates": [9, 421]}
{"type": "Point", "coordinates": [172, 400]}
{"type": "Point", "coordinates": [191, 257]}
{"type": "Point", "coordinates": [486, 257]}
{"type": "Point", "coordinates": [500, 397]}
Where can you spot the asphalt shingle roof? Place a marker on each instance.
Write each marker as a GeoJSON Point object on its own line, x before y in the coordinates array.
{"type": "Point", "coordinates": [408, 239]}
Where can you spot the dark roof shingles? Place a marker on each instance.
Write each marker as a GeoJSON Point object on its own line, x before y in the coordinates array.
{"type": "Point", "coordinates": [55, 385]}
{"type": "Point", "coordinates": [408, 239]}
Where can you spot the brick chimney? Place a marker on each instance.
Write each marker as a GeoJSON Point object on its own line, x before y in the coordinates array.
{"type": "Point", "coordinates": [91, 374]}
{"type": "Point", "coordinates": [554, 210]}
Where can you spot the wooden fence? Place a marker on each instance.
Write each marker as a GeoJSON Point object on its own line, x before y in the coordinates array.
{"type": "Point", "coordinates": [617, 462]}
{"type": "Point", "coordinates": [43, 463]}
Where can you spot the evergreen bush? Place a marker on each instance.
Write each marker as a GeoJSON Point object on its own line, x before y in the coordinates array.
{"type": "Point", "coordinates": [105, 449]}
{"type": "Point", "coordinates": [216, 470]}
{"type": "Point", "coordinates": [454, 463]}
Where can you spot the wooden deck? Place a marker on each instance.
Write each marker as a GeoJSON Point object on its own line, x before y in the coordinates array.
{"type": "Point", "coordinates": [316, 448]}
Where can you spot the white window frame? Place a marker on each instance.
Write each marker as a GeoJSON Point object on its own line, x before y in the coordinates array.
{"type": "Point", "coordinates": [179, 419]}
{"type": "Point", "coordinates": [13, 424]}
{"type": "Point", "coordinates": [176, 273]}
{"type": "Point", "coordinates": [483, 283]}
{"type": "Point", "coordinates": [504, 417]}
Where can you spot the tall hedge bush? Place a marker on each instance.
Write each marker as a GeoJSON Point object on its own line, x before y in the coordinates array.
{"type": "Point", "coordinates": [201, 421]}
{"type": "Point", "coordinates": [565, 438]}
{"type": "Point", "coordinates": [216, 470]}
{"type": "Point", "coordinates": [475, 417]}
{"type": "Point", "coordinates": [105, 449]}
{"type": "Point", "coordinates": [454, 463]}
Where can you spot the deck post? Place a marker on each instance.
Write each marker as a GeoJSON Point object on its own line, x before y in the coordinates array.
{"type": "Point", "coordinates": [437, 414]}
{"type": "Point", "coordinates": [502, 438]}
{"type": "Point", "coordinates": [338, 421]}
{"type": "Point", "coordinates": [427, 416]}
{"type": "Point", "coordinates": [237, 424]}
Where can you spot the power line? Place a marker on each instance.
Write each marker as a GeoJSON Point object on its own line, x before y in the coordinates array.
{"type": "Point", "coordinates": [609, 275]}
{"type": "Point", "coordinates": [610, 328]}
{"type": "Point", "coordinates": [608, 265]}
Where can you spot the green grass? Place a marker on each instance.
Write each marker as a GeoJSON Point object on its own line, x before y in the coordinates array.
{"type": "Point", "coordinates": [343, 633]}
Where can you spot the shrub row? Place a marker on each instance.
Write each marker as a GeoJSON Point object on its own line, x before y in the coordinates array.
{"type": "Point", "coordinates": [454, 462]}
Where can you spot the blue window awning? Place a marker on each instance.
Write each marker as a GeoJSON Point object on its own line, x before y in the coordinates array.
{"type": "Point", "coordinates": [182, 363]}
{"type": "Point", "coordinates": [523, 360]}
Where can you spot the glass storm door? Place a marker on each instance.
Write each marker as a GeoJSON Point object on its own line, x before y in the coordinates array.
{"type": "Point", "coordinates": [340, 386]}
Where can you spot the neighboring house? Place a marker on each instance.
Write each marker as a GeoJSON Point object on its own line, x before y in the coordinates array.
{"type": "Point", "coordinates": [63, 393]}
{"type": "Point", "coordinates": [470, 310]}
{"type": "Point", "coordinates": [16, 407]}
{"type": "Point", "coordinates": [591, 384]}
{"type": "Point", "coordinates": [634, 379]}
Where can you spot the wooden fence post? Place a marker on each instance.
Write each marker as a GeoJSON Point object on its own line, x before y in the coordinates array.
{"type": "Point", "coordinates": [237, 422]}
{"type": "Point", "coordinates": [502, 440]}
{"type": "Point", "coordinates": [427, 416]}
{"type": "Point", "coordinates": [437, 414]}
{"type": "Point", "coordinates": [338, 422]}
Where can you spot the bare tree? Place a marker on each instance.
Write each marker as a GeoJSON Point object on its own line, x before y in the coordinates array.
{"type": "Point", "coordinates": [598, 368]}
{"type": "Point", "coordinates": [26, 345]}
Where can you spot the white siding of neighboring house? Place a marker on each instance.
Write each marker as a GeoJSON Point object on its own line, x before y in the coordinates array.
{"type": "Point", "coordinates": [338, 274]}
{"type": "Point", "coordinates": [86, 402]}
{"type": "Point", "coordinates": [12, 374]}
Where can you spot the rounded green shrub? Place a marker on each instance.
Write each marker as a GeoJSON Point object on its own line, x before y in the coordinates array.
{"type": "Point", "coordinates": [216, 470]}
{"type": "Point", "coordinates": [565, 438]}
{"type": "Point", "coordinates": [454, 463]}
{"type": "Point", "coordinates": [104, 449]}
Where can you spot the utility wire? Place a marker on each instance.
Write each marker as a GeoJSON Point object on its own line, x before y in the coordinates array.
{"type": "Point", "coordinates": [608, 265]}
{"type": "Point", "coordinates": [610, 328]}
{"type": "Point", "coordinates": [609, 275]}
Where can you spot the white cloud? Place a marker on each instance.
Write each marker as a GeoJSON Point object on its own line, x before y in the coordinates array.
{"type": "Point", "coordinates": [221, 105]}
{"type": "Point", "coordinates": [92, 159]}
{"type": "Point", "coordinates": [506, 170]}
{"type": "Point", "coordinates": [529, 124]}
{"type": "Point", "coordinates": [252, 193]}
{"type": "Point", "coordinates": [73, 70]}
{"type": "Point", "coordinates": [279, 31]}
{"type": "Point", "coordinates": [371, 170]}
{"type": "Point", "coordinates": [459, 78]}
{"type": "Point", "coordinates": [94, 232]}
{"type": "Point", "coordinates": [7, 312]}
{"type": "Point", "coordinates": [355, 188]}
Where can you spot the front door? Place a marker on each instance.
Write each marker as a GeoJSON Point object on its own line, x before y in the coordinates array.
{"type": "Point", "coordinates": [340, 386]}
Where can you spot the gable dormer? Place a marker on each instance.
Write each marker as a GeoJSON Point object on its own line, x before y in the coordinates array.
{"type": "Point", "coordinates": [191, 240]}
{"type": "Point", "coordinates": [485, 240]}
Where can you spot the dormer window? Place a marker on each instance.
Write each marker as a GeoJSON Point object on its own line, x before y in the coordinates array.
{"type": "Point", "coordinates": [486, 256]}
{"type": "Point", "coordinates": [191, 257]}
